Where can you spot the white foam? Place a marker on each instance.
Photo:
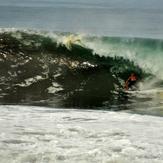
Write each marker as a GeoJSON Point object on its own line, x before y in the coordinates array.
{"type": "Point", "coordinates": [39, 135]}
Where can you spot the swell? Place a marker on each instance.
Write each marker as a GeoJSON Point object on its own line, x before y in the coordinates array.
{"type": "Point", "coordinates": [62, 70]}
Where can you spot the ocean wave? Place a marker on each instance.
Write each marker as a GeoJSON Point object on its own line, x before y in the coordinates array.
{"type": "Point", "coordinates": [70, 70]}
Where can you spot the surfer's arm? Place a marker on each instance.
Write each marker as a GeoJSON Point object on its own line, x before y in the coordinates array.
{"type": "Point", "coordinates": [126, 83]}
{"type": "Point", "coordinates": [126, 86]}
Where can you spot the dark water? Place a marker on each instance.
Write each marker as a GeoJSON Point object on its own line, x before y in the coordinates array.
{"type": "Point", "coordinates": [38, 69]}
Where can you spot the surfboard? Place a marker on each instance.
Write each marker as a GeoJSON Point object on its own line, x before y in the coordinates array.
{"type": "Point", "coordinates": [157, 93]}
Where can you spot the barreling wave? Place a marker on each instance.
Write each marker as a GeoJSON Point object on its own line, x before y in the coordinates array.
{"type": "Point", "coordinates": [69, 70]}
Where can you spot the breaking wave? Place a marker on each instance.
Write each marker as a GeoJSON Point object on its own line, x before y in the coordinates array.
{"type": "Point", "coordinates": [70, 70]}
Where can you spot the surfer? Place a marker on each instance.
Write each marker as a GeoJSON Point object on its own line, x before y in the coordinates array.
{"type": "Point", "coordinates": [130, 82]}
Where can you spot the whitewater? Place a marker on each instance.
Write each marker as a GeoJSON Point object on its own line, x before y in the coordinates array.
{"type": "Point", "coordinates": [63, 66]}
{"type": "Point", "coordinates": [39, 135]}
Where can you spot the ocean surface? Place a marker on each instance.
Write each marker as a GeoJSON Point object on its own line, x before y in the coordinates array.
{"type": "Point", "coordinates": [63, 66]}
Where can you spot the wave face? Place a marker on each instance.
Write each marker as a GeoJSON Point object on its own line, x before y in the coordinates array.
{"type": "Point", "coordinates": [66, 70]}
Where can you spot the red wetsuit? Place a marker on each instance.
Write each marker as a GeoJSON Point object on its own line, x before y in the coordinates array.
{"type": "Point", "coordinates": [130, 81]}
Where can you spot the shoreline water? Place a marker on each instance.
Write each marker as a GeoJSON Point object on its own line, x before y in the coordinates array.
{"type": "Point", "coordinates": [42, 134]}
